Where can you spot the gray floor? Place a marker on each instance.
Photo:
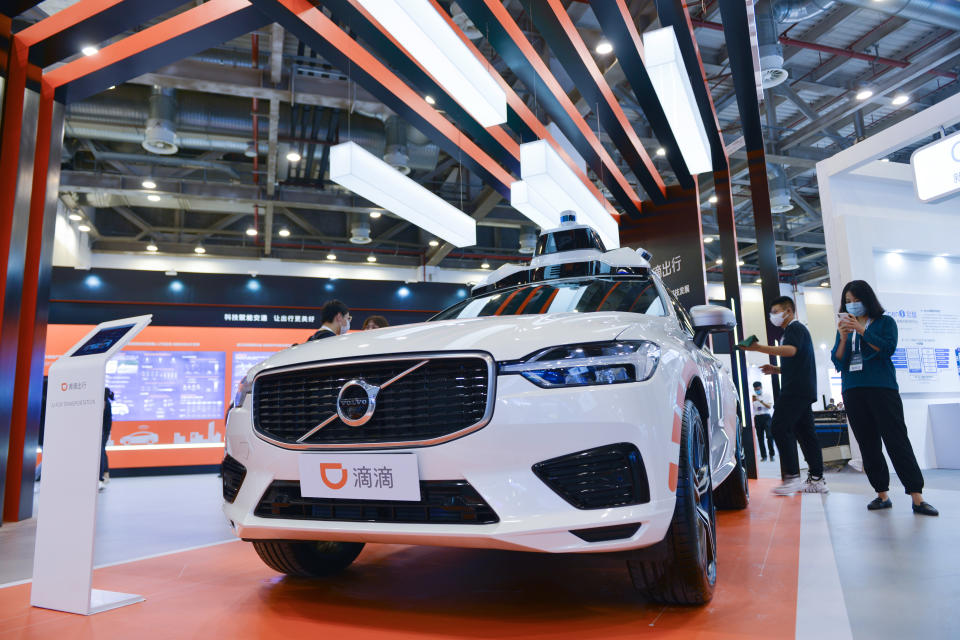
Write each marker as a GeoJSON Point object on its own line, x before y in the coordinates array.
{"type": "Point", "coordinates": [136, 517]}
{"type": "Point", "coordinates": [899, 573]}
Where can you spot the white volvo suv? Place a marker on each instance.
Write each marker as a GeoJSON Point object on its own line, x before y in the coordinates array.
{"type": "Point", "coordinates": [566, 406]}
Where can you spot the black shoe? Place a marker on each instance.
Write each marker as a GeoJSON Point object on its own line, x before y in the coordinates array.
{"type": "Point", "coordinates": [763, 459]}
{"type": "Point", "coordinates": [877, 504]}
{"type": "Point", "coordinates": [772, 459]}
{"type": "Point", "coordinates": [925, 509]}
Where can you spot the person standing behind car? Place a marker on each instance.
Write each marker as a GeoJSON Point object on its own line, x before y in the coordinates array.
{"type": "Point", "coordinates": [375, 322]}
{"type": "Point", "coordinates": [335, 318]}
{"type": "Point", "coordinates": [862, 352]}
{"type": "Point", "coordinates": [762, 408]}
{"type": "Point", "coordinates": [792, 421]}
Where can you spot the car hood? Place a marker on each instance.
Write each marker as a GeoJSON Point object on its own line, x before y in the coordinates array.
{"type": "Point", "coordinates": [506, 338]}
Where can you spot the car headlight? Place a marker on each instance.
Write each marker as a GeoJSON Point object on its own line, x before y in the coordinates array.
{"type": "Point", "coordinates": [589, 364]}
{"type": "Point", "coordinates": [243, 390]}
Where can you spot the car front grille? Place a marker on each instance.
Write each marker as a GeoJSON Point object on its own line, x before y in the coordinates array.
{"type": "Point", "coordinates": [608, 476]}
{"type": "Point", "coordinates": [233, 474]}
{"type": "Point", "coordinates": [448, 396]}
{"type": "Point", "coordinates": [442, 502]}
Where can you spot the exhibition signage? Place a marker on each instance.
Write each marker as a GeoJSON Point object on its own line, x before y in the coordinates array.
{"type": "Point", "coordinates": [63, 557]}
{"type": "Point", "coordinates": [673, 236]}
{"type": "Point", "coordinates": [927, 358]}
{"type": "Point", "coordinates": [936, 168]}
{"type": "Point", "coordinates": [358, 476]}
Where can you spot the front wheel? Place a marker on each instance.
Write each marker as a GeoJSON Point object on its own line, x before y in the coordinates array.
{"type": "Point", "coordinates": [734, 492]}
{"type": "Point", "coordinates": [307, 559]}
{"type": "Point", "coordinates": [682, 569]}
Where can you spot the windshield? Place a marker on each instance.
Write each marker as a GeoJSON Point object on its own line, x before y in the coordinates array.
{"type": "Point", "coordinates": [635, 295]}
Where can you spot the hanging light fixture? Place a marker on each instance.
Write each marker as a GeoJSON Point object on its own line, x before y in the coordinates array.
{"type": "Point", "coordinates": [672, 85]}
{"type": "Point", "coordinates": [368, 176]}
{"type": "Point", "coordinates": [550, 186]}
{"type": "Point", "coordinates": [422, 31]}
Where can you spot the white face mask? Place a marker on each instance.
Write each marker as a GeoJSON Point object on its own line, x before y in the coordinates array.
{"type": "Point", "coordinates": [345, 328]}
{"type": "Point", "coordinates": [776, 319]}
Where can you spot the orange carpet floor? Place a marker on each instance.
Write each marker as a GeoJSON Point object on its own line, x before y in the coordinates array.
{"type": "Point", "coordinates": [395, 591]}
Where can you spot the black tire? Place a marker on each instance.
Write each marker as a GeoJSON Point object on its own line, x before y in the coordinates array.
{"type": "Point", "coordinates": [734, 491]}
{"type": "Point", "coordinates": [307, 559]}
{"type": "Point", "coordinates": [682, 569]}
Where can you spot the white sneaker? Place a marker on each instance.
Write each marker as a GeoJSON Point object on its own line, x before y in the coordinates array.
{"type": "Point", "coordinates": [815, 486]}
{"type": "Point", "coordinates": [101, 485]}
{"type": "Point", "coordinates": [789, 487]}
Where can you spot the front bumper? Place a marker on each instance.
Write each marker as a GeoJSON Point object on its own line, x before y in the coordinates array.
{"type": "Point", "coordinates": [529, 425]}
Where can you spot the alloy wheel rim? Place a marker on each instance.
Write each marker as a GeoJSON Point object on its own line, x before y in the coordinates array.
{"type": "Point", "coordinates": [706, 516]}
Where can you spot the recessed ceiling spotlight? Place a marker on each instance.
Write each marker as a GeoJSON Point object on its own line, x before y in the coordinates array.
{"type": "Point", "coordinates": [430, 99]}
{"type": "Point", "coordinates": [899, 99]}
{"type": "Point", "coordinates": [375, 214]}
{"type": "Point", "coordinates": [199, 249]}
{"type": "Point", "coordinates": [293, 156]}
{"type": "Point", "coordinates": [331, 256]}
{"type": "Point", "coordinates": [712, 199]}
{"type": "Point", "coordinates": [149, 184]}
{"type": "Point", "coordinates": [708, 239]}
{"type": "Point", "coordinates": [825, 283]}
{"type": "Point", "coordinates": [741, 263]}
{"type": "Point", "coordinates": [111, 87]}
{"type": "Point", "coordinates": [758, 281]}
{"type": "Point", "coordinates": [884, 159]}
{"type": "Point", "coordinates": [485, 265]}
{"type": "Point", "coordinates": [284, 232]}
{"type": "Point", "coordinates": [76, 217]}
{"type": "Point", "coordinates": [863, 94]}
{"type": "Point", "coordinates": [434, 243]}
{"type": "Point", "coordinates": [604, 47]}
{"type": "Point", "coordinates": [251, 231]}
{"type": "Point", "coordinates": [89, 50]}
{"type": "Point", "coordinates": [152, 247]}
{"type": "Point", "coordinates": [83, 227]}
{"type": "Point", "coordinates": [153, 197]}
{"type": "Point", "coordinates": [371, 258]}
{"type": "Point", "coordinates": [661, 152]}
{"type": "Point", "coordinates": [719, 260]}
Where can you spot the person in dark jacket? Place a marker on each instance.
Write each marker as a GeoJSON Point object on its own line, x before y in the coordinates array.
{"type": "Point", "coordinates": [104, 436]}
{"type": "Point", "coordinates": [792, 421]}
{"type": "Point", "coordinates": [335, 318]}
{"type": "Point", "coordinates": [862, 352]}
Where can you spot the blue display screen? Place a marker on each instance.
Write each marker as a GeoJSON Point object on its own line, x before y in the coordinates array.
{"type": "Point", "coordinates": [243, 361]}
{"type": "Point", "coordinates": [167, 385]}
{"type": "Point", "coordinates": [102, 341]}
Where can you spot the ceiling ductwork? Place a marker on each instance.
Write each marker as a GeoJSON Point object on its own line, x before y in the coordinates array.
{"type": "Point", "coordinates": [939, 13]}
{"type": "Point", "coordinates": [779, 189]}
{"type": "Point", "coordinates": [772, 71]}
{"type": "Point", "coordinates": [466, 25]}
{"type": "Point", "coordinates": [395, 149]}
{"type": "Point", "coordinates": [160, 136]}
{"type": "Point", "coordinates": [791, 11]}
{"type": "Point", "coordinates": [221, 123]}
{"type": "Point", "coordinates": [789, 261]}
{"type": "Point", "coordinates": [360, 232]}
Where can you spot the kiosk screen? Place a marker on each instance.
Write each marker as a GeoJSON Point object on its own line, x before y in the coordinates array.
{"type": "Point", "coordinates": [102, 341]}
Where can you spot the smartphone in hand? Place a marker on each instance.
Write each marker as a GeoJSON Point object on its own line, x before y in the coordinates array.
{"type": "Point", "coordinates": [748, 341]}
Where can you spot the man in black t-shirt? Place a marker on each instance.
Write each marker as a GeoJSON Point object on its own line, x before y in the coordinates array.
{"type": "Point", "coordinates": [792, 415]}
{"type": "Point", "coordinates": [335, 317]}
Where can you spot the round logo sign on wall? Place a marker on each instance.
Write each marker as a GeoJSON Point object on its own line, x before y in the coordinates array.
{"type": "Point", "coordinates": [356, 402]}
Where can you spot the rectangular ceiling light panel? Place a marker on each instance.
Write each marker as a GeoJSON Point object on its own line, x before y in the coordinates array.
{"type": "Point", "coordinates": [551, 187]}
{"type": "Point", "coordinates": [669, 77]}
{"type": "Point", "coordinates": [427, 36]}
{"type": "Point", "coordinates": [368, 176]}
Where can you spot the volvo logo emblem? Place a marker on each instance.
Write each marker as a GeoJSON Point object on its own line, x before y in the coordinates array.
{"type": "Point", "coordinates": [356, 402]}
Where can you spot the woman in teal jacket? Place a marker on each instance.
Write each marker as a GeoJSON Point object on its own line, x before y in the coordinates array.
{"type": "Point", "coordinates": [862, 353]}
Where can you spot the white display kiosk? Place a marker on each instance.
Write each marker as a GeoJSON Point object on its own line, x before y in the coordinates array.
{"type": "Point", "coordinates": [63, 559]}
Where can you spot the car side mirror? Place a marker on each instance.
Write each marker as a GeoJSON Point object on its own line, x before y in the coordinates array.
{"type": "Point", "coordinates": [711, 318]}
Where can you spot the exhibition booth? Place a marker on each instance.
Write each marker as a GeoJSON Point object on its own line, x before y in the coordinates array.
{"type": "Point", "coordinates": [879, 229]}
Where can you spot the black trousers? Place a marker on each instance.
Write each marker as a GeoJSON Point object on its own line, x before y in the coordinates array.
{"type": "Point", "coordinates": [876, 415]}
{"type": "Point", "coordinates": [792, 424]}
{"type": "Point", "coordinates": [761, 422]}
